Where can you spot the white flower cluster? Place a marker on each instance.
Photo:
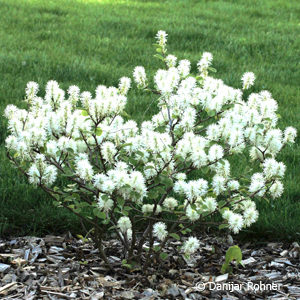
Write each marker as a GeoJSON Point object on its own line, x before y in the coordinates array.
{"type": "Point", "coordinates": [143, 170]}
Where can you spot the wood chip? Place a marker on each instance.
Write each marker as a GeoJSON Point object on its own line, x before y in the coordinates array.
{"type": "Point", "coordinates": [64, 267]}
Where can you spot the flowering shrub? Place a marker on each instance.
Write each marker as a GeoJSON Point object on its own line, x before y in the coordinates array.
{"type": "Point", "coordinates": [164, 177]}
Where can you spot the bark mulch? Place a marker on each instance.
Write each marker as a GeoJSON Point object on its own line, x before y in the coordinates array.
{"type": "Point", "coordinates": [65, 267]}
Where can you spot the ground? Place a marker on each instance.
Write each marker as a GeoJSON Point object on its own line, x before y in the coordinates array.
{"type": "Point", "coordinates": [64, 267]}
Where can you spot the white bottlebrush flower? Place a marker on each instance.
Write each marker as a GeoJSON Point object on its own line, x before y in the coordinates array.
{"type": "Point", "coordinates": [290, 134]}
{"type": "Point", "coordinates": [257, 185]}
{"type": "Point", "coordinates": [105, 204]}
{"type": "Point", "coordinates": [109, 151]}
{"type": "Point", "coordinates": [51, 148]}
{"type": "Point", "coordinates": [11, 142]}
{"type": "Point", "coordinates": [108, 186]}
{"type": "Point", "coordinates": [85, 99]}
{"type": "Point", "coordinates": [161, 38]}
{"type": "Point", "coordinates": [255, 154]}
{"type": "Point", "coordinates": [265, 95]}
{"type": "Point", "coordinates": [272, 168]}
{"type": "Point", "coordinates": [250, 216]}
{"type": "Point", "coordinates": [64, 144]}
{"type": "Point", "coordinates": [195, 188]}
{"type": "Point", "coordinates": [170, 203]}
{"type": "Point", "coordinates": [218, 184]}
{"type": "Point", "coordinates": [149, 208]}
{"type": "Point", "coordinates": [210, 204]}
{"type": "Point", "coordinates": [248, 204]}
{"type": "Point", "coordinates": [204, 63]}
{"type": "Point", "coordinates": [99, 179]}
{"type": "Point", "coordinates": [74, 94]}
{"type": "Point", "coordinates": [276, 189]}
{"type": "Point", "coordinates": [10, 111]}
{"type": "Point", "coordinates": [215, 152]}
{"type": "Point", "coordinates": [137, 182]}
{"type": "Point", "coordinates": [184, 67]}
{"type": "Point", "coordinates": [160, 230]}
{"type": "Point", "coordinates": [124, 85]}
{"type": "Point", "coordinates": [180, 176]}
{"type": "Point", "coordinates": [54, 95]}
{"type": "Point", "coordinates": [166, 80]}
{"type": "Point", "coordinates": [222, 168]}
{"type": "Point", "coordinates": [139, 76]}
{"type": "Point", "coordinates": [213, 132]}
{"type": "Point", "coordinates": [74, 91]}
{"type": "Point", "coordinates": [248, 80]}
{"type": "Point", "coordinates": [191, 245]}
{"type": "Point", "coordinates": [124, 224]}
{"type": "Point", "coordinates": [180, 187]}
{"type": "Point", "coordinates": [273, 140]}
{"type": "Point", "coordinates": [235, 222]}
{"type": "Point", "coordinates": [129, 234]}
{"type": "Point", "coordinates": [192, 214]}
{"type": "Point", "coordinates": [49, 175]}
{"type": "Point", "coordinates": [32, 89]}
{"type": "Point", "coordinates": [233, 185]}
{"type": "Point", "coordinates": [34, 174]}
{"type": "Point", "coordinates": [84, 169]}
{"type": "Point", "coordinates": [171, 60]}
{"type": "Point", "coordinates": [150, 170]}
{"type": "Point", "coordinates": [122, 166]}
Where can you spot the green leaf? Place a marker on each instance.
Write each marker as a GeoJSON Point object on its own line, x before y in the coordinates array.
{"type": "Point", "coordinates": [42, 150]}
{"type": "Point", "coordinates": [125, 145]}
{"type": "Point", "coordinates": [156, 248]}
{"type": "Point", "coordinates": [121, 201]}
{"type": "Point", "coordinates": [223, 226]}
{"type": "Point", "coordinates": [70, 150]}
{"type": "Point", "coordinates": [212, 69]}
{"type": "Point", "coordinates": [127, 208]}
{"type": "Point", "coordinates": [168, 182]}
{"type": "Point", "coordinates": [124, 114]}
{"type": "Point", "coordinates": [205, 170]}
{"type": "Point", "coordinates": [211, 113]}
{"type": "Point", "coordinates": [233, 253]}
{"type": "Point", "coordinates": [221, 203]}
{"type": "Point", "coordinates": [152, 194]}
{"type": "Point", "coordinates": [140, 153]}
{"type": "Point", "coordinates": [159, 56]}
{"type": "Point", "coordinates": [99, 214]}
{"type": "Point", "coordinates": [126, 265]}
{"type": "Point", "coordinates": [84, 113]}
{"type": "Point", "coordinates": [175, 236]}
{"type": "Point", "coordinates": [56, 203]}
{"type": "Point", "coordinates": [98, 131]}
{"type": "Point", "coordinates": [223, 210]}
{"type": "Point", "coordinates": [163, 255]}
{"type": "Point", "coordinates": [149, 167]}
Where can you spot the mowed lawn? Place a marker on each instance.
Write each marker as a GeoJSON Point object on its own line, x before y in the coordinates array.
{"type": "Point", "coordinates": [94, 42]}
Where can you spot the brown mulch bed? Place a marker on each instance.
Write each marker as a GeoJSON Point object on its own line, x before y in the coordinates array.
{"type": "Point", "coordinates": [64, 267]}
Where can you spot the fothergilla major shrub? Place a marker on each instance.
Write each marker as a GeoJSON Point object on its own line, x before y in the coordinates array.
{"type": "Point", "coordinates": [160, 180]}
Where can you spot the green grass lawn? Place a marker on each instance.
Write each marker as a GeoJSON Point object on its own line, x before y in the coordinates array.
{"type": "Point", "coordinates": [91, 42]}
